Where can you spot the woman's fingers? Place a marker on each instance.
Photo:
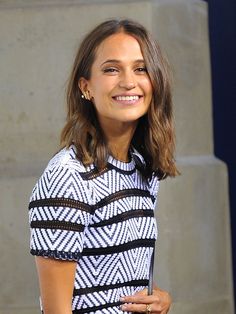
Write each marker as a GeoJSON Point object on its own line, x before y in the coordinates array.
{"type": "Point", "coordinates": [159, 302]}
{"type": "Point", "coordinates": [141, 299]}
{"type": "Point", "coordinates": [141, 308]}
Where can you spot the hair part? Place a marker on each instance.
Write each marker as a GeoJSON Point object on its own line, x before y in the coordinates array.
{"type": "Point", "coordinates": [154, 136]}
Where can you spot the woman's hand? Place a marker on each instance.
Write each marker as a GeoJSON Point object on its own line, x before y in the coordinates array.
{"type": "Point", "coordinates": [159, 302]}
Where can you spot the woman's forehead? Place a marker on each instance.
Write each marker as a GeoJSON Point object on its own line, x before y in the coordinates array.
{"type": "Point", "coordinates": [120, 46]}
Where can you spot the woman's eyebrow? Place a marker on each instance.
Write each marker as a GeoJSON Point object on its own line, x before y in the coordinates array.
{"type": "Point", "coordinates": [119, 61]}
{"type": "Point", "coordinates": [111, 61]}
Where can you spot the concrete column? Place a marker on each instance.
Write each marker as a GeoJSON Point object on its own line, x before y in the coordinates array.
{"type": "Point", "coordinates": [38, 42]}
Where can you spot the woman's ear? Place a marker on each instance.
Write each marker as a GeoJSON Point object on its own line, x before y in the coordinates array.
{"type": "Point", "coordinates": [83, 86]}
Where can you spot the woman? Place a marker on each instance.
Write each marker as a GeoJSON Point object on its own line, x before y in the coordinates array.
{"type": "Point", "coordinates": [91, 213]}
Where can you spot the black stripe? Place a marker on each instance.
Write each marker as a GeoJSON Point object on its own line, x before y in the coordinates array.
{"type": "Point", "coordinates": [61, 202]}
{"type": "Point", "coordinates": [56, 224]}
{"type": "Point", "coordinates": [121, 194]}
{"type": "Point", "coordinates": [119, 248]}
{"type": "Point", "coordinates": [96, 308]}
{"type": "Point", "coordinates": [133, 283]}
{"type": "Point", "coordinates": [124, 216]}
{"type": "Point", "coordinates": [94, 173]}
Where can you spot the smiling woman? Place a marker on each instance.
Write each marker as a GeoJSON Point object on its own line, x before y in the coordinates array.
{"type": "Point", "coordinates": [155, 129]}
{"type": "Point", "coordinates": [92, 221]}
{"type": "Point", "coordinates": [119, 88]}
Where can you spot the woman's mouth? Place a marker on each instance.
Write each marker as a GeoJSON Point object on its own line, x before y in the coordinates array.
{"type": "Point", "coordinates": [129, 99]}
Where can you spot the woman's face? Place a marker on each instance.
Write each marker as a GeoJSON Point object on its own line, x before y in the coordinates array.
{"type": "Point", "coordinates": [119, 85]}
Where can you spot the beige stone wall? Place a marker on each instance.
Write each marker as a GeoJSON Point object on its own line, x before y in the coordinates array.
{"type": "Point", "coordinates": [38, 42]}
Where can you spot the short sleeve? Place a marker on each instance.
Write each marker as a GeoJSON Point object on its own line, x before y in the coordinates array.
{"type": "Point", "coordinates": [59, 212]}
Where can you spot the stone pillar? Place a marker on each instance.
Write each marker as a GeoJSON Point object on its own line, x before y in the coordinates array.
{"type": "Point", "coordinates": [38, 42]}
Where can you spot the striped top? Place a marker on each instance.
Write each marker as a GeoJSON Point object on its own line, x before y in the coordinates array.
{"type": "Point", "coordinates": [102, 220]}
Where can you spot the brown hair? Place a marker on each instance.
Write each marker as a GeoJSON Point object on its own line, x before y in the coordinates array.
{"type": "Point", "coordinates": [154, 135]}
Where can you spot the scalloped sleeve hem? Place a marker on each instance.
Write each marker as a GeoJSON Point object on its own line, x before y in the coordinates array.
{"type": "Point", "coordinates": [60, 255]}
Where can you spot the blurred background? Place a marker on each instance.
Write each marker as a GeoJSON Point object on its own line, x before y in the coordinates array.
{"type": "Point", "coordinates": [38, 41]}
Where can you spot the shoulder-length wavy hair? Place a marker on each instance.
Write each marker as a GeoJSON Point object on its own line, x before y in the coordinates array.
{"type": "Point", "coordinates": [154, 136]}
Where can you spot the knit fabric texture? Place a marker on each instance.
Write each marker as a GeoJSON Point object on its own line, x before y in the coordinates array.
{"type": "Point", "coordinates": [103, 220]}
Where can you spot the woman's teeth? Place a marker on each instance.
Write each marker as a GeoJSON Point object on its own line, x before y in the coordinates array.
{"type": "Point", "coordinates": [127, 98]}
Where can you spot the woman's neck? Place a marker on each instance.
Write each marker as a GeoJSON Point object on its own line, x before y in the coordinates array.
{"type": "Point", "coordinates": [119, 148]}
{"type": "Point", "coordinates": [119, 141]}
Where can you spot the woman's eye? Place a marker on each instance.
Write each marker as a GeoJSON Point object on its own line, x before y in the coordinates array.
{"type": "Point", "coordinates": [141, 69]}
{"type": "Point", "coordinates": [110, 70]}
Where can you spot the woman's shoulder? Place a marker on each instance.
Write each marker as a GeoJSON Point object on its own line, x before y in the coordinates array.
{"type": "Point", "coordinates": [67, 158]}
{"type": "Point", "coordinates": [63, 178]}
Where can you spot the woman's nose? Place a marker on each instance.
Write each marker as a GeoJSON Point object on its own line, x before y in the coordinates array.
{"type": "Point", "coordinates": [127, 81]}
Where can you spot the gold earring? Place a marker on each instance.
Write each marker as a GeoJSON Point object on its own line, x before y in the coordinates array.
{"type": "Point", "coordinates": [86, 95]}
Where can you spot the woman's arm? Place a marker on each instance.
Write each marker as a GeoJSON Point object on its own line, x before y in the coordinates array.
{"type": "Point", "coordinates": [56, 281]}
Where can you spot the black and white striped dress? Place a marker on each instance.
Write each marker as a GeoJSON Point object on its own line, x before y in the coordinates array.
{"type": "Point", "coordinates": [102, 220]}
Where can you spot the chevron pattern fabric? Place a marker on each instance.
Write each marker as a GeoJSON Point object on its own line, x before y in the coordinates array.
{"type": "Point", "coordinates": [102, 220]}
